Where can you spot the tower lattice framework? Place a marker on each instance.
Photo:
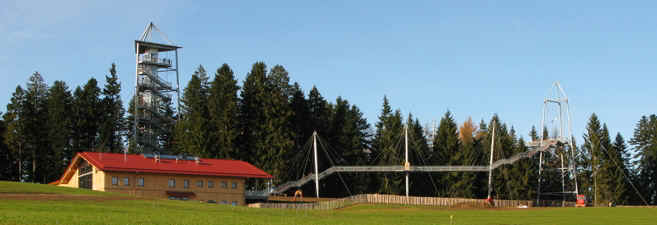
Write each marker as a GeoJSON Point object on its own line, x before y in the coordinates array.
{"type": "Point", "coordinates": [153, 91]}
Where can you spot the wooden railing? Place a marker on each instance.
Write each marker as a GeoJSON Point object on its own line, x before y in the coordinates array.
{"type": "Point", "coordinates": [403, 200]}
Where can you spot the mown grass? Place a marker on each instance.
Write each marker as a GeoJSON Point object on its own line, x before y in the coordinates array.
{"type": "Point", "coordinates": [14, 187]}
{"type": "Point", "coordinates": [179, 212]}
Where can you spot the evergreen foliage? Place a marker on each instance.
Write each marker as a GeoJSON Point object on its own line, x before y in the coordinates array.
{"type": "Point", "coordinates": [112, 119]}
{"type": "Point", "coordinates": [223, 111]}
{"type": "Point", "coordinates": [271, 122]}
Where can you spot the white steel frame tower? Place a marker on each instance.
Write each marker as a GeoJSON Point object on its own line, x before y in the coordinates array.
{"type": "Point", "coordinates": [561, 144]}
{"type": "Point", "coordinates": [153, 90]}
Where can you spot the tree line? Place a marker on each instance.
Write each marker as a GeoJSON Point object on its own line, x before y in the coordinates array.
{"type": "Point", "coordinates": [268, 121]}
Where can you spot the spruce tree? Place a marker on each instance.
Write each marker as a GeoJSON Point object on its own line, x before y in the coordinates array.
{"type": "Point", "coordinates": [8, 167]}
{"type": "Point", "coordinates": [446, 152]}
{"type": "Point", "coordinates": [620, 172]}
{"type": "Point", "coordinates": [87, 108]}
{"type": "Point", "coordinates": [278, 132]}
{"type": "Point", "coordinates": [60, 123]}
{"type": "Point", "coordinates": [386, 149]}
{"type": "Point", "coordinates": [223, 110]}
{"type": "Point", "coordinates": [113, 124]}
{"type": "Point", "coordinates": [644, 141]}
{"type": "Point", "coordinates": [591, 158]}
{"type": "Point", "coordinates": [193, 131]}
{"type": "Point", "coordinates": [35, 114]}
{"type": "Point", "coordinates": [14, 136]}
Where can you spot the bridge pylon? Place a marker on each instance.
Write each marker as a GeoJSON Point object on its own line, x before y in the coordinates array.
{"type": "Point", "coordinates": [559, 144]}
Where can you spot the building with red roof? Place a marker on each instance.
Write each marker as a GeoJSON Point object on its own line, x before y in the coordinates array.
{"type": "Point", "coordinates": [162, 176]}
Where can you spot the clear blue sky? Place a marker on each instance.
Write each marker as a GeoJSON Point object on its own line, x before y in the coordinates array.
{"type": "Point", "coordinates": [474, 58]}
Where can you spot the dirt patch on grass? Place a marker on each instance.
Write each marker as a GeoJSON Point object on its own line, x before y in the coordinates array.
{"type": "Point", "coordinates": [60, 197]}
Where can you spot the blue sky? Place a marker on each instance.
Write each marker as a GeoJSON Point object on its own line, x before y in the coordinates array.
{"type": "Point", "coordinates": [474, 58]}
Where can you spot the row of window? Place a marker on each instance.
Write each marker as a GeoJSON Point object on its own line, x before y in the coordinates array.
{"type": "Point", "coordinates": [126, 181]}
{"type": "Point", "coordinates": [172, 183]}
{"type": "Point", "coordinates": [199, 184]}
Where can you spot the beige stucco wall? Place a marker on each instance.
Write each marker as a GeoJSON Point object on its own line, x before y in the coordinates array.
{"type": "Point", "coordinates": [73, 182]}
{"type": "Point", "coordinates": [98, 180]}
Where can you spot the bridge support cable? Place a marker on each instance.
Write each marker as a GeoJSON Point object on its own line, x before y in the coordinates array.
{"type": "Point", "coordinates": [420, 158]}
{"type": "Point", "coordinates": [327, 151]}
{"type": "Point", "coordinates": [625, 175]}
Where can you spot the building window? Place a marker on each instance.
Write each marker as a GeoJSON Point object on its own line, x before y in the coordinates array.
{"type": "Point", "coordinates": [233, 185]}
{"type": "Point", "coordinates": [199, 184]}
{"type": "Point", "coordinates": [126, 181]}
{"type": "Point", "coordinates": [140, 181]}
{"type": "Point", "coordinates": [234, 203]}
{"type": "Point", "coordinates": [224, 184]}
{"type": "Point", "coordinates": [172, 183]}
{"type": "Point", "coordinates": [186, 184]}
{"type": "Point", "coordinates": [115, 180]}
{"type": "Point", "coordinates": [210, 184]}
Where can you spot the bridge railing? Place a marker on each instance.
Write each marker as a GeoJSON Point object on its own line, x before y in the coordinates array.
{"type": "Point", "coordinates": [412, 200]}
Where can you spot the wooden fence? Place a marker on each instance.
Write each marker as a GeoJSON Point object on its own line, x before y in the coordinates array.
{"type": "Point", "coordinates": [403, 200]}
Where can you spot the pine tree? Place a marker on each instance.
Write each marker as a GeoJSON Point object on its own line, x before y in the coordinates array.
{"type": "Point", "coordinates": [385, 146]}
{"type": "Point", "coordinates": [251, 117]}
{"type": "Point", "coordinates": [112, 121]}
{"type": "Point", "coordinates": [319, 111]}
{"type": "Point", "coordinates": [193, 131]}
{"type": "Point", "coordinates": [14, 136]}
{"type": "Point", "coordinates": [223, 110]}
{"type": "Point", "coordinates": [302, 131]}
{"type": "Point", "coordinates": [8, 169]}
{"type": "Point", "coordinates": [446, 151]}
{"type": "Point", "coordinates": [87, 108]}
{"type": "Point", "coordinates": [644, 142]}
{"type": "Point", "coordinates": [277, 117]}
{"type": "Point", "coordinates": [59, 127]}
{"type": "Point", "coordinates": [591, 155]}
{"type": "Point", "coordinates": [264, 122]}
{"type": "Point", "coordinates": [619, 156]}
{"type": "Point", "coordinates": [35, 115]}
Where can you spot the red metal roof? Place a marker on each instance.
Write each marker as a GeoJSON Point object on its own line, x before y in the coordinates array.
{"type": "Point", "coordinates": [141, 164]}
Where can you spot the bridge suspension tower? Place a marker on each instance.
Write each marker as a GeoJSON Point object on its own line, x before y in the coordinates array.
{"type": "Point", "coordinates": [558, 146]}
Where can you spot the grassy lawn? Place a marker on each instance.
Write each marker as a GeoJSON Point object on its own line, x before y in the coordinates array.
{"type": "Point", "coordinates": [109, 211]}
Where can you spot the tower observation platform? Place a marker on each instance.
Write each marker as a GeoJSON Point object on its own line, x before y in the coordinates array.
{"type": "Point", "coordinates": [156, 63]}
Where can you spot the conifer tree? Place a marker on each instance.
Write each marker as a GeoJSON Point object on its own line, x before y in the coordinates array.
{"type": "Point", "coordinates": [385, 145]}
{"type": "Point", "coordinates": [193, 131]}
{"type": "Point", "coordinates": [590, 157]}
{"type": "Point", "coordinates": [87, 109]}
{"type": "Point", "coordinates": [446, 152]}
{"type": "Point", "coordinates": [465, 184]}
{"type": "Point", "coordinates": [251, 117]}
{"type": "Point", "coordinates": [34, 115]}
{"type": "Point", "coordinates": [59, 126]}
{"type": "Point", "coordinates": [112, 121]}
{"type": "Point", "coordinates": [643, 140]}
{"type": "Point", "coordinates": [8, 167]}
{"type": "Point", "coordinates": [14, 136]}
{"type": "Point", "coordinates": [277, 117]}
{"type": "Point", "coordinates": [223, 110]}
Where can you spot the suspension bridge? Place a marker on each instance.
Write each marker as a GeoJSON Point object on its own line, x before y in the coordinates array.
{"type": "Point", "coordinates": [557, 146]}
{"type": "Point", "coordinates": [535, 147]}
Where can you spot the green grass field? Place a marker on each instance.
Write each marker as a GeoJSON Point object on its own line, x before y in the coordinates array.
{"type": "Point", "coordinates": [44, 204]}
